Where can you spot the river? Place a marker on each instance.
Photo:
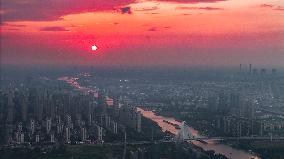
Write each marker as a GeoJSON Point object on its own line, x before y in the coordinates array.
{"type": "Point", "coordinates": [212, 145]}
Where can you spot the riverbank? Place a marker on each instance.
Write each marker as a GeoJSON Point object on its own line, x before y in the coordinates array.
{"type": "Point", "coordinates": [218, 148]}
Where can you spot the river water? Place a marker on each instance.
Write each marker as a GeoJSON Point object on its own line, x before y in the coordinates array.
{"type": "Point", "coordinates": [211, 145]}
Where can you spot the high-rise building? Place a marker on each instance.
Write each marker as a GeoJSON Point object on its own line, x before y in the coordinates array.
{"type": "Point", "coordinates": [58, 119]}
{"type": "Point", "coordinates": [32, 126]}
{"type": "Point", "coordinates": [102, 101]}
{"type": "Point", "coordinates": [235, 103]}
{"type": "Point", "coordinates": [50, 107]}
{"type": "Point", "coordinates": [84, 134]}
{"type": "Point", "coordinates": [39, 108]}
{"type": "Point", "coordinates": [114, 127]}
{"type": "Point", "coordinates": [24, 108]}
{"type": "Point", "coordinates": [100, 134]}
{"type": "Point", "coordinates": [48, 125]}
{"type": "Point", "coordinates": [37, 138]}
{"type": "Point", "coordinates": [107, 120]}
{"type": "Point", "coordinates": [67, 135]}
{"type": "Point", "coordinates": [59, 128]}
{"type": "Point", "coordinates": [10, 115]}
{"type": "Point", "coordinates": [138, 128]}
{"type": "Point", "coordinates": [20, 127]}
{"type": "Point", "coordinates": [248, 109]}
{"type": "Point", "coordinates": [22, 137]}
{"type": "Point", "coordinates": [52, 139]}
{"type": "Point", "coordinates": [90, 119]}
{"type": "Point", "coordinates": [1, 107]}
{"type": "Point", "coordinates": [69, 121]}
{"type": "Point", "coordinates": [18, 136]}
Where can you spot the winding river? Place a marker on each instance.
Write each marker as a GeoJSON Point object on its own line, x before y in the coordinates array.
{"type": "Point", "coordinates": [211, 145]}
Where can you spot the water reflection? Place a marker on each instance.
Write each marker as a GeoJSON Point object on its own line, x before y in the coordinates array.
{"type": "Point", "coordinates": [166, 126]}
{"type": "Point", "coordinates": [211, 145]}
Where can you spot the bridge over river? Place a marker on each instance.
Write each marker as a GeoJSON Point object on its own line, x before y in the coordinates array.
{"type": "Point", "coordinates": [184, 134]}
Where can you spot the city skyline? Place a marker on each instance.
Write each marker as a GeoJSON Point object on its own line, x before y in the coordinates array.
{"type": "Point", "coordinates": [143, 33]}
{"type": "Point", "coordinates": [142, 79]}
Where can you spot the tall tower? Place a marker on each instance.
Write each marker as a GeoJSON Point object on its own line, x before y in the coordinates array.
{"type": "Point", "coordinates": [69, 121]}
{"type": "Point", "coordinates": [84, 134]}
{"type": "Point", "coordinates": [100, 133]}
{"type": "Point", "coordinates": [24, 108]}
{"type": "Point", "coordinates": [32, 128]}
{"type": "Point", "coordinates": [48, 125]}
{"type": "Point", "coordinates": [67, 137]}
{"type": "Point", "coordinates": [1, 106]}
{"type": "Point", "coordinates": [138, 122]}
{"type": "Point", "coordinates": [10, 116]}
{"type": "Point", "coordinates": [114, 127]}
{"type": "Point", "coordinates": [39, 107]}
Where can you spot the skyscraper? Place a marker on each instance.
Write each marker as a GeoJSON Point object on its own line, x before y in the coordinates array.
{"type": "Point", "coordinates": [67, 135]}
{"type": "Point", "coordinates": [52, 139]}
{"type": "Point", "coordinates": [37, 138]}
{"type": "Point", "coordinates": [84, 134]}
{"type": "Point", "coordinates": [10, 115]}
{"type": "Point", "coordinates": [100, 134]}
{"type": "Point", "coordinates": [138, 128]}
{"type": "Point", "coordinates": [24, 108]}
{"type": "Point", "coordinates": [32, 126]}
{"type": "Point", "coordinates": [48, 125]}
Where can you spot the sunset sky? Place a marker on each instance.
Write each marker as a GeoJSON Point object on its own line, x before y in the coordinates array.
{"type": "Point", "coordinates": [142, 32]}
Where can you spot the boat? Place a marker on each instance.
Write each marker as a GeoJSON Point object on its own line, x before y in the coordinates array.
{"type": "Point", "coordinates": [170, 123]}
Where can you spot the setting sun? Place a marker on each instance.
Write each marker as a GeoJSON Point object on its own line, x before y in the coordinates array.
{"type": "Point", "coordinates": [142, 79]}
{"type": "Point", "coordinates": [94, 48]}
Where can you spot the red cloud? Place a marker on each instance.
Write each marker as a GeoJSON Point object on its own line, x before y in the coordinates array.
{"type": "Point", "coordinates": [43, 10]}
{"type": "Point", "coordinates": [53, 28]}
{"type": "Point", "coordinates": [266, 6]}
{"type": "Point", "coordinates": [273, 7]}
{"type": "Point", "coordinates": [46, 10]}
{"type": "Point", "coordinates": [279, 8]}
{"type": "Point", "coordinates": [199, 8]}
{"type": "Point", "coordinates": [192, 1]}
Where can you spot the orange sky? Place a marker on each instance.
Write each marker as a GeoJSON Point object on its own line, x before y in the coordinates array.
{"type": "Point", "coordinates": [165, 32]}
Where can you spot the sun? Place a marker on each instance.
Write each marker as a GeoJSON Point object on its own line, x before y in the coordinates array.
{"type": "Point", "coordinates": [94, 48]}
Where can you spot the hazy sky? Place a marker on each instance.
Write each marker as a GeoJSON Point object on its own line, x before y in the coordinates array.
{"type": "Point", "coordinates": [142, 32]}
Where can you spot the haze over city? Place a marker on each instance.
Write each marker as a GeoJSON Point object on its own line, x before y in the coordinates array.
{"type": "Point", "coordinates": [142, 79]}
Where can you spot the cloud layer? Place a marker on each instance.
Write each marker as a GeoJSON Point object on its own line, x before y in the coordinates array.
{"type": "Point", "coordinates": [199, 8]}
{"type": "Point", "coordinates": [47, 10]}
{"type": "Point", "coordinates": [53, 28]}
{"type": "Point", "coordinates": [43, 10]}
{"type": "Point", "coordinates": [272, 7]}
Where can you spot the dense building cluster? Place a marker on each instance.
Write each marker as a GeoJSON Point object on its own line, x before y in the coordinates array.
{"type": "Point", "coordinates": [246, 103]}
{"type": "Point", "coordinates": [31, 115]}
